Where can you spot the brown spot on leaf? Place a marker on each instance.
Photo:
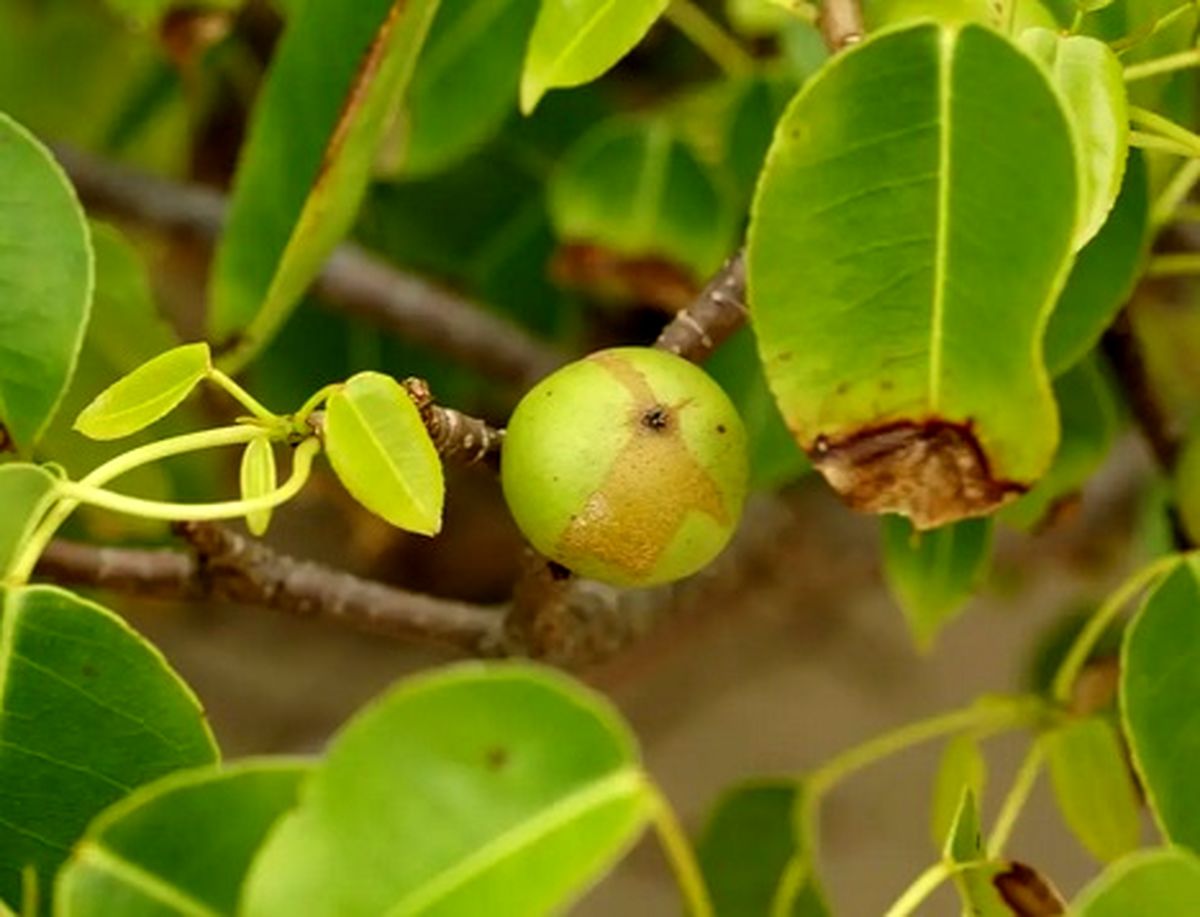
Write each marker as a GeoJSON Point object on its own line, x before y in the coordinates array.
{"type": "Point", "coordinates": [614, 276]}
{"type": "Point", "coordinates": [631, 518]}
{"type": "Point", "coordinates": [496, 758]}
{"type": "Point", "coordinates": [1028, 893]}
{"type": "Point", "coordinates": [934, 472]}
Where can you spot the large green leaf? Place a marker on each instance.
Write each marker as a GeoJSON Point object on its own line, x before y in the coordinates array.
{"type": "Point", "coordinates": [1093, 786]}
{"type": "Point", "coordinates": [381, 451]}
{"type": "Point", "coordinates": [465, 84]}
{"type": "Point", "coordinates": [1162, 883]}
{"type": "Point", "coordinates": [1091, 420]}
{"type": "Point", "coordinates": [502, 789]}
{"type": "Point", "coordinates": [633, 188]}
{"type": "Point", "coordinates": [1089, 76]}
{"type": "Point", "coordinates": [46, 276]}
{"type": "Point", "coordinates": [899, 297]}
{"type": "Point", "coordinates": [1103, 275]}
{"type": "Point", "coordinates": [181, 845]}
{"type": "Point", "coordinates": [26, 492]}
{"type": "Point", "coordinates": [933, 574]}
{"type": "Point", "coordinates": [339, 70]}
{"type": "Point", "coordinates": [88, 711]}
{"type": "Point", "coordinates": [575, 41]}
{"type": "Point", "coordinates": [748, 847]}
{"type": "Point", "coordinates": [1160, 702]}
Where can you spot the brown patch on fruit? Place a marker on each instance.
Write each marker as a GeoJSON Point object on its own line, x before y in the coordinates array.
{"type": "Point", "coordinates": [629, 520]}
{"type": "Point", "coordinates": [934, 472]}
{"type": "Point", "coordinates": [1028, 893]}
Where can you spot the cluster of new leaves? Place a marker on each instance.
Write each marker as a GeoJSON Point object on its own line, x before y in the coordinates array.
{"type": "Point", "coordinates": [941, 224]}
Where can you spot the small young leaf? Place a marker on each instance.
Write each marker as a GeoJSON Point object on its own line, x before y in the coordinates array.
{"type": "Point", "coordinates": [962, 767]}
{"type": "Point", "coordinates": [1094, 788]}
{"type": "Point", "coordinates": [308, 157]}
{"type": "Point", "coordinates": [1089, 77]}
{"type": "Point", "coordinates": [749, 845]}
{"type": "Point", "coordinates": [26, 492]}
{"type": "Point", "coordinates": [381, 451]}
{"type": "Point", "coordinates": [503, 784]}
{"type": "Point", "coordinates": [465, 84]}
{"type": "Point", "coordinates": [1160, 702]}
{"type": "Point", "coordinates": [46, 274]}
{"type": "Point", "coordinates": [121, 718]}
{"type": "Point", "coordinates": [258, 478]}
{"type": "Point", "coordinates": [1162, 883]}
{"type": "Point", "coordinates": [575, 41]}
{"type": "Point", "coordinates": [964, 844]}
{"type": "Point", "coordinates": [881, 245]}
{"type": "Point", "coordinates": [147, 394]}
{"type": "Point", "coordinates": [631, 187]}
{"type": "Point", "coordinates": [185, 841]}
{"type": "Point", "coordinates": [932, 574]}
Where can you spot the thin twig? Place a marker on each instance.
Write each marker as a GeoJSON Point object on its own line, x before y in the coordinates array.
{"type": "Point", "coordinates": [841, 23]}
{"type": "Point", "coordinates": [353, 280]}
{"type": "Point", "coordinates": [712, 318]}
{"type": "Point", "coordinates": [227, 566]}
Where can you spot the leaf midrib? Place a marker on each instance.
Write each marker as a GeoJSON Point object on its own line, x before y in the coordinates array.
{"type": "Point", "coordinates": [946, 44]}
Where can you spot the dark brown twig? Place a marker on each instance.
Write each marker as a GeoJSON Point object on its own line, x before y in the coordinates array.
{"type": "Point", "coordinates": [354, 280]}
{"type": "Point", "coordinates": [224, 565]}
{"type": "Point", "coordinates": [712, 317]}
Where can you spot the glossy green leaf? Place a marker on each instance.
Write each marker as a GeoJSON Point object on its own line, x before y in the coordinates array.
{"type": "Point", "coordinates": [962, 767]}
{"type": "Point", "coordinates": [931, 575]}
{"type": "Point", "coordinates": [890, 227]}
{"type": "Point", "coordinates": [465, 84]}
{"type": "Point", "coordinates": [147, 394]}
{"type": "Point", "coordinates": [258, 478]}
{"type": "Point", "coordinates": [181, 845]}
{"type": "Point", "coordinates": [1090, 78]}
{"type": "Point", "coordinates": [1160, 702]}
{"type": "Point", "coordinates": [633, 188]}
{"type": "Point", "coordinates": [1090, 415]}
{"type": "Point", "coordinates": [1094, 787]}
{"type": "Point", "coordinates": [46, 274]}
{"type": "Point", "coordinates": [750, 845]}
{"type": "Point", "coordinates": [775, 459]}
{"type": "Point", "coordinates": [575, 41]}
{"type": "Point", "coordinates": [26, 492]}
{"type": "Point", "coordinates": [1103, 275]}
{"type": "Point", "coordinates": [1164, 883]}
{"type": "Point", "coordinates": [338, 72]}
{"type": "Point", "coordinates": [503, 784]}
{"type": "Point", "coordinates": [381, 451]}
{"type": "Point", "coordinates": [89, 711]}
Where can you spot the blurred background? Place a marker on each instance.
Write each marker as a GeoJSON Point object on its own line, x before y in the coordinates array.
{"type": "Point", "coordinates": [587, 224]}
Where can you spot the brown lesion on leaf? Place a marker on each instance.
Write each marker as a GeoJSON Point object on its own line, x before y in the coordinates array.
{"type": "Point", "coordinates": [933, 471]}
{"type": "Point", "coordinates": [629, 520]}
{"type": "Point", "coordinates": [614, 276]}
{"type": "Point", "coordinates": [1028, 893]}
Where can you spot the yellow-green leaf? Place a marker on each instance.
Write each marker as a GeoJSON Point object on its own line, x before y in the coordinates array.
{"type": "Point", "coordinates": [258, 478]}
{"type": "Point", "coordinates": [25, 495]}
{"type": "Point", "coordinates": [147, 394]}
{"type": "Point", "coordinates": [1149, 883]}
{"type": "Point", "coordinates": [962, 767]}
{"type": "Point", "coordinates": [381, 451]}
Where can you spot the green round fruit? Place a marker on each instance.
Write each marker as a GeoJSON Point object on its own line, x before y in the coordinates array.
{"type": "Point", "coordinates": [628, 466]}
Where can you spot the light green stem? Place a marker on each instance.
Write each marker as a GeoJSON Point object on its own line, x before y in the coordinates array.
{"type": "Point", "coordinates": [1144, 141]}
{"type": "Point", "coordinates": [315, 400]}
{"type": "Point", "coordinates": [1159, 65]}
{"type": "Point", "coordinates": [921, 888]}
{"type": "Point", "coordinates": [199, 512]}
{"type": "Point", "coordinates": [795, 873]}
{"type": "Point", "coordinates": [1175, 193]}
{"type": "Point", "coordinates": [1174, 265]}
{"type": "Point", "coordinates": [1014, 802]}
{"type": "Point", "coordinates": [680, 854]}
{"type": "Point", "coordinates": [709, 37]}
{"type": "Point", "coordinates": [1167, 128]}
{"type": "Point", "coordinates": [1081, 649]}
{"type": "Point", "coordinates": [243, 397]}
{"type": "Point", "coordinates": [22, 568]}
{"type": "Point", "coordinates": [993, 716]}
{"type": "Point", "coordinates": [1165, 21]}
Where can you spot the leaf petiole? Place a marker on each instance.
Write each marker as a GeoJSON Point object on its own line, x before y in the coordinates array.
{"type": "Point", "coordinates": [709, 37]}
{"type": "Point", "coordinates": [243, 397]}
{"type": "Point", "coordinates": [1014, 802]}
{"type": "Point", "coordinates": [680, 854]}
{"type": "Point", "coordinates": [1160, 65]}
